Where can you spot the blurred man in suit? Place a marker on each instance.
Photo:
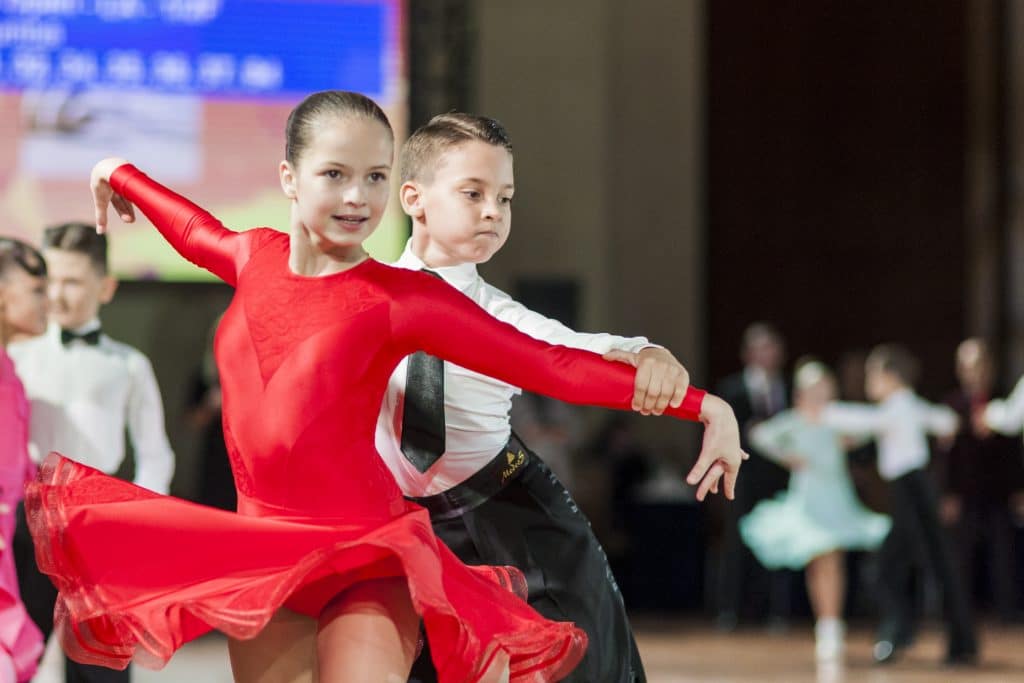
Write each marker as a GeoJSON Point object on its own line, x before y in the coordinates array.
{"type": "Point", "coordinates": [756, 393]}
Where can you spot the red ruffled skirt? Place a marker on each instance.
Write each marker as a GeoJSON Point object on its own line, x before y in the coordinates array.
{"type": "Point", "coordinates": [140, 574]}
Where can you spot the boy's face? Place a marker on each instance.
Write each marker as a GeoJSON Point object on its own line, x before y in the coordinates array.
{"type": "Point", "coordinates": [879, 383]}
{"type": "Point", "coordinates": [23, 302]}
{"type": "Point", "coordinates": [77, 289]}
{"type": "Point", "coordinates": [464, 209]}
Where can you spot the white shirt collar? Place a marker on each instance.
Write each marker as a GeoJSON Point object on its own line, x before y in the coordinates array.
{"type": "Point", "coordinates": [462, 276]}
{"type": "Point", "coordinates": [899, 396]}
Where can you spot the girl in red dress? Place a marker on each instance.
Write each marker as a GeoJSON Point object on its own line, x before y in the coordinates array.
{"type": "Point", "coordinates": [322, 531]}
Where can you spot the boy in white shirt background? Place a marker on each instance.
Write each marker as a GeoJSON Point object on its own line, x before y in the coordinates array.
{"type": "Point", "coordinates": [901, 424]}
{"type": "Point", "coordinates": [491, 499]}
{"type": "Point", "coordinates": [86, 391]}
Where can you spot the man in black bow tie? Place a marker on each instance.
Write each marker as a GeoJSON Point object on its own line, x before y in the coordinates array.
{"type": "Point", "coordinates": [86, 390]}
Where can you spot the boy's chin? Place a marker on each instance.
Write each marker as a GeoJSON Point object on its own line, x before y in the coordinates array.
{"type": "Point", "coordinates": [68, 322]}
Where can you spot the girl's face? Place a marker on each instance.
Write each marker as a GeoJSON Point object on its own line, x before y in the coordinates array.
{"type": "Point", "coordinates": [339, 185]}
{"type": "Point", "coordinates": [817, 395]}
{"type": "Point", "coordinates": [23, 303]}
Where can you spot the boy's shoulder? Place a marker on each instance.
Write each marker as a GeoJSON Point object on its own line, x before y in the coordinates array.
{"type": "Point", "coordinates": [122, 349]}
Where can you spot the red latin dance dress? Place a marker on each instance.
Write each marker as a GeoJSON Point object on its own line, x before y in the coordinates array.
{"type": "Point", "coordinates": [304, 362]}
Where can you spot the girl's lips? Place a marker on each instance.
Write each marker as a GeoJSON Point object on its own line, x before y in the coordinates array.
{"type": "Point", "coordinates": [351, 223]}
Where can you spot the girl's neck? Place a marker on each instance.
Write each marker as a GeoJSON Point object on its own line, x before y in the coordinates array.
{"type": "Point", "coordinates": [306, 258]}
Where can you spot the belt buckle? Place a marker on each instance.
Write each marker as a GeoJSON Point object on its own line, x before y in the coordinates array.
{"type": "Point", "coordinates": [515, 461]}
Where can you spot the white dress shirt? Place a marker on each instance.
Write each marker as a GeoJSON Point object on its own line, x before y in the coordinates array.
{"type": "Point", "coordinates": [83, 397]}
{"type": "Point", "coordinates": [1006, 416]}
{"type": "Point", "coordinates": [476, 407]}
{"type": "Point", "coordinates": [900, 424]}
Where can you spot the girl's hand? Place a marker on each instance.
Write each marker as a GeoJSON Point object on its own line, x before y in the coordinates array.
{"type": "Point", "coordinates": [720, 455]}
{"type": "Point", "coordinates": [103, 194]}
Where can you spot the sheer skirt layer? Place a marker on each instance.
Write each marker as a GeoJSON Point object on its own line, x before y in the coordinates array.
{"type": "Point", "coordinates": [141, 574]}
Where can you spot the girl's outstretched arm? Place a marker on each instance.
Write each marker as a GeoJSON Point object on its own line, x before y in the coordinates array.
{"type": "Point", "coordinates": [428, 315]}
{"type": "Point", "coordinates": [193, 232]}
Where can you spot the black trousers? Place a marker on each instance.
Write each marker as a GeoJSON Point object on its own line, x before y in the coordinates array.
{"type": "Point", "coordinates": [917, 538]}
{"type": "Point", "coordinates": [985, 527]}
{"type": "Point", "coordinates": [39, 595]}
{"type": "Point", "coordinates": [534, 524]}
{"type": "Point", "coordinates": [744, 587]}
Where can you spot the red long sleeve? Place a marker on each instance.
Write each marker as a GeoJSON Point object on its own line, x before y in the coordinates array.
{"type": "Point", "coordinates": [439, 320]}
{"type": "Point", "coordinates": [193, 232]}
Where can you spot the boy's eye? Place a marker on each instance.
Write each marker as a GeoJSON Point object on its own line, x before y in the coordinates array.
{"type": "Point", "coordinates": [472, 194]}
{"type": "Point", "coordinates": [377, 177]}
{"type": "Point", "coordinates": [506, 200]}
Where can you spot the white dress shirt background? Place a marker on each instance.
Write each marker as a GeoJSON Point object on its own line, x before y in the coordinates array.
{"type": "Point", "coordinates": [84, 398]}
{"type": "Point", "coordinates": [900, 424]}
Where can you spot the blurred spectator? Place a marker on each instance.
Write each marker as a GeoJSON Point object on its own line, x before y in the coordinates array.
{"type": "Point", "coordinates": [756, 393]}
{"type": "Point", "coordinates": [981, 471]}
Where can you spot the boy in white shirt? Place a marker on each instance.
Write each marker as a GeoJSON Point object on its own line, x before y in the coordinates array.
{"type": "Point", "coordinates": [901, 424]}
{"type": "Point", "coordinates": [491, 499]}
{"type": "Point", "coordinates": [86, 389]}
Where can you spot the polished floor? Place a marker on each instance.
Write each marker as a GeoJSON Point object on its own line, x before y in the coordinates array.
{"type": "Point", "coordinates": [687, 652]}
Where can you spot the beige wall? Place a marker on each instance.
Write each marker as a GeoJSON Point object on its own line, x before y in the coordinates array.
{"type": "Point", "coordinates": [603, 101]}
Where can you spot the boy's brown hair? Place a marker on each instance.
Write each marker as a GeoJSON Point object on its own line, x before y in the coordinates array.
{"type": "Point", "coordinates": [896, 360]}
{"type": "Point", "coordinates": [441, 133]}
{"type": "Point", "coordinates": [81, 238]}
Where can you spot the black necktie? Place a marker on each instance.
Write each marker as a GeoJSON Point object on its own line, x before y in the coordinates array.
{"type": "Point", "coordinates": [423, 433]}
{"type": "Point", "coordinates": [92, 338]}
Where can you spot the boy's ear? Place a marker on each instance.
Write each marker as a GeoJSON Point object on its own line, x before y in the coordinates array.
{"type": "Point", "coordinates": [412, 199]}
{"type": "Point", "coordinates": [287, 174]}
{"type": "Point", "coordinates": [108, 288]}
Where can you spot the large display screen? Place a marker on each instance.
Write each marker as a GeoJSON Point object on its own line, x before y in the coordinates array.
{"type": "Point", "coordinates": [194, 92]}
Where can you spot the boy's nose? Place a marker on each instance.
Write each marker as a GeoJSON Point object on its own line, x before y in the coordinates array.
{"type": "Point", "coordinates": [491, 211]}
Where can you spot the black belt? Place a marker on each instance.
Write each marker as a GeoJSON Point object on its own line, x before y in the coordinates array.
{"type": "Point", "coordinates": [506, 466]}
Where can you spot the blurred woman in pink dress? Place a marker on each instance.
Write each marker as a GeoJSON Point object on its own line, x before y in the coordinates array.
{"type": "Point", "coordinates": [22, 313]}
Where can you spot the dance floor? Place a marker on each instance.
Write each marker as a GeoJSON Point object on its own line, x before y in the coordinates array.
{"type": "Point", "coordinates": [686, 652]}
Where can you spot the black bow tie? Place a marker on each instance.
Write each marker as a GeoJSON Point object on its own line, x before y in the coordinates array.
{"type": "Point", "coordinates": [92, 338]}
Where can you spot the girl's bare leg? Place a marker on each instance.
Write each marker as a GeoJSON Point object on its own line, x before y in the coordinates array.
{"type": "Point", "coordinates": [283, 652]}
{"type": "Point", "coordinates": [826, 585]}
{"type": "Point", "coordinates": [498, 671]}
{"type": "Point", "coordinates": [368, 634]}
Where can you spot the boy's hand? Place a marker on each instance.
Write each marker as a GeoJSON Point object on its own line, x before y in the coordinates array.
{"type": "Point", "coordinates": [103, 194]}
{"type": "Point", "coordinates": [720, 454]}
{"type": "Point", "coordinates": [661, 380]}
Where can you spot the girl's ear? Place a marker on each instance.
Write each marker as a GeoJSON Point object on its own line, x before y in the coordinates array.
{"type": "Point", "coordinates": [287, 175]}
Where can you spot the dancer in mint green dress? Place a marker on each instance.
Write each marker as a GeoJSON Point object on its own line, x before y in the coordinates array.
{"type": "Point", "coordinates": [819, 516]}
